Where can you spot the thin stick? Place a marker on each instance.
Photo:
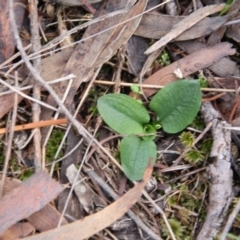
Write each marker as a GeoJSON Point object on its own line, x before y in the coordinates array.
{"type": "Point", "coordinates": [26, 96]}
{"type": "Point", "coordinates": [14, 57]}
{"type": "Point", "coordinates": [68, 77]}
{"type": "Point", "coordinates": [36, 125]}
{"type": "Point", "coordinates": [36, 46]}
{"type": "Point", "coordinates": [10, 138]}
{"type": "Point", "coordinates": [123, 84]}
{"type": "Point", "coordinates": [230, 220]}
{"type": "Point", "coordinates": [235, 106]}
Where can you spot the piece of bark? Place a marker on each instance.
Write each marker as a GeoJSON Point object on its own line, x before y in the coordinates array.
{"type": "Point", "coordinates": [28, 198]}
{"type": "Point", "coordinates": [189, 65]}
{"type": "Point", "coordinates": [219, 173]}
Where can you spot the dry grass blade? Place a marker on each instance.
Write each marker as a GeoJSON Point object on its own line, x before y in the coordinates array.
{"type": "Point", "coordinates": [10, 138]}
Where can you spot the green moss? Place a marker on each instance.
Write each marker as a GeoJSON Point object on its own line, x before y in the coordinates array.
{"type": "Point", "coordinates": [194, 157]}
{"type": "Point", "coordinates": [206, 145]}
{"type": "Point", "coordinates": [26, 174]}
{"type": "Point", "coordinates": [164, 59]}
{"type": "Point", "coordinates": [187, 139]}
{"type": "Point", "coordinates": [203, 82]}
{"type": "Point", "coordinates": [53, 144]}
{"type": "Point", "coordinates": [198, 123]}
{"type": "Point", "coordinates": [178, 229]}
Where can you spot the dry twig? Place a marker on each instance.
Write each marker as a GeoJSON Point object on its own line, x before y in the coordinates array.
{"type": "Point", "coordinates": [220, 174]}
{"type": "Point", "coordinates": [10, 138]}
{"type": "Point", "coordinates": [36, 46]}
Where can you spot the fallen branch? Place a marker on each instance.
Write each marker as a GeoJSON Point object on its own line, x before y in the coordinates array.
{"type": "Point", "coordinates": [220, 174]}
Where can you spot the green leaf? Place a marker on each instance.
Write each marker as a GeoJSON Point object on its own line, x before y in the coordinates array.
{"type": "Point", "coordinates": [229, 3]}
{"type": "Point", "coordinates": [122, 113]}
{"type": "Point", "coordinates": [177, 104]}
{"type": "Point", "coordinates": [135, 88]}
{"type": "Point", "coordinates": [135, 154]}
{"type": "Point", "coordinates": [150, 132]}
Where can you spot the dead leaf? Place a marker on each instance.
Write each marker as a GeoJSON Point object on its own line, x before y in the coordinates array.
{"type": "Point", "coordinates": [185, 24]}
{"type": "Point", "coordinates": [150, 27]}
{"type": "Point", "coordinates": [94, 223]}
{"type": "Point", "coordinates": [136, 47]}
{"type": "Point", "coordinates": [7, 103]}
{"type": "Point", "coordinates": [233, 32]}
{"type": "Point", "coordinates": [31, 196]}
{"type": "Point", "coordinates": [224, 67]}
{"type": "Point", "coordinates": [216, 36]}
{"type": "Point", "coordinates": [45, 219]}
{"type": "Point", "coordinates": [88, 6]}
{"type": "Point", "coordinates": [189, 64]}
{"type": "Point", "coordinates": [6, 36]}
{"type": "Point", "coordinates": [18, 230]}
{"type": "Point", "coordinates": [122, 33]}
